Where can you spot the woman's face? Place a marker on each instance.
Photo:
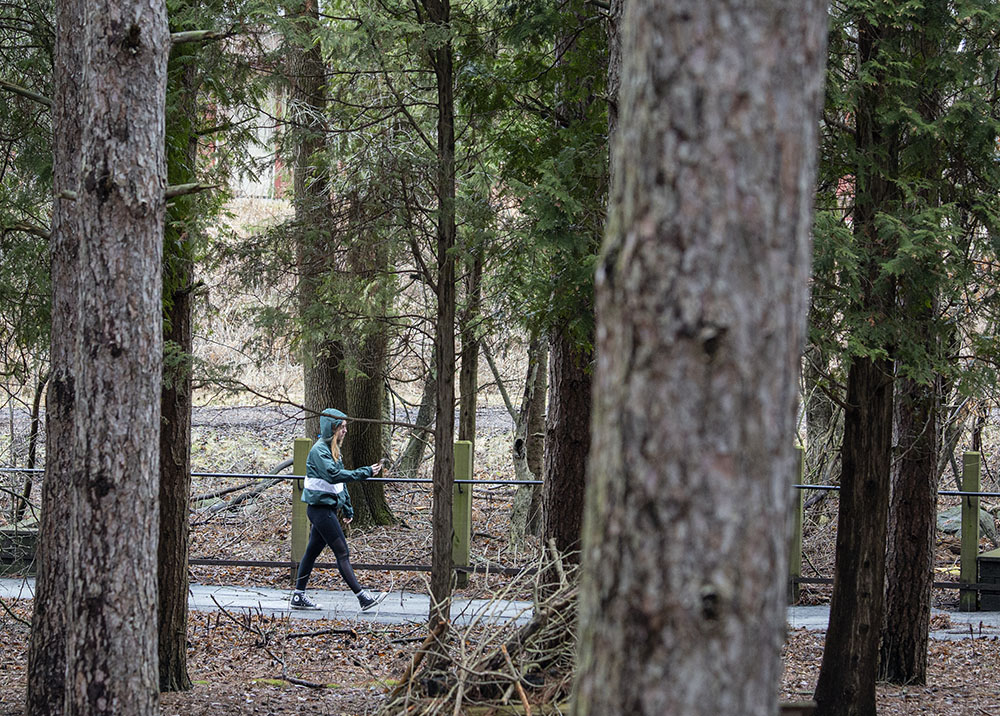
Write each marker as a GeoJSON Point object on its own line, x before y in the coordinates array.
{"type": "Point", "coordinates": [341, 433]}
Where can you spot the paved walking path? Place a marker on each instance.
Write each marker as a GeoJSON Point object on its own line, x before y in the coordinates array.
{"type": "Point", "coordinates": [398, 608]}
{"type": "Point", "coordinates": [402, 607]}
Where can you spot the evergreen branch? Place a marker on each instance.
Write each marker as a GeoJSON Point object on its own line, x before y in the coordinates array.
{"type": "Point", "coordinates": [17, 89]}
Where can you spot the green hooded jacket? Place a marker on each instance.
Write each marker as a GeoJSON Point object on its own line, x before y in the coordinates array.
{"type": "Point", "coordinates": [325, 476]}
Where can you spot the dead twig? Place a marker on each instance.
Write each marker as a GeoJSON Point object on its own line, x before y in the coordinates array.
{"type": "Point", "coordinates": [322, 632]}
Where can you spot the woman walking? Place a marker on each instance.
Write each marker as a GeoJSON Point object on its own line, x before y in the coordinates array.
{"type": "Point", "coordinates": [327, 498]}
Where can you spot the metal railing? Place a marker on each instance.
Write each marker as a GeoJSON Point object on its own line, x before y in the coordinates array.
{"type": "Point", "coordinates": [968, 583]}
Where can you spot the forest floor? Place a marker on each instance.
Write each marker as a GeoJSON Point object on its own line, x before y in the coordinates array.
{"type": "Point", "coordinates": [249, 663]}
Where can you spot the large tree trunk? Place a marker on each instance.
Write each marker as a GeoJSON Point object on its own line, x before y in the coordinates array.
{"type": "Point", "coordinates": [175, 491]}
{"type": "Point", "coordinates": [367, 400]}
{"type": "Point", "coordinates": [567, 444]}
{"type": "Point", "coordinates": [847, 676]}
{"type": "Point", "coordinates": [701, 298]}
{"type": "Point", "coordinates": [912, 525]}
{"type": "Point", "coordinates": [176, 391]}
{"type": "Point", "coordinates": [47, 648]}
{"type": "Point", "coordinates": [111, 596]}
{"type": "Point", "coordinates": [324, 381]}
{"type": "Point", "coordinates": [366, 394]}
{"type": "Point", "coordinates": [438, 16]}
{"type": "Point", "coordinates": [846, 683]}
{"type": "Point", "coordinates": [913, 501]}
{"type": "Point", "coordinates": [567, 434]}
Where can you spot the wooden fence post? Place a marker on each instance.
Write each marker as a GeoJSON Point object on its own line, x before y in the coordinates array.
{"type": "Point", "coordinates": [795, 546]}
{"type": "Point", "coordinates": [300, 521]}
{"type": "Point", "coordinates": [969, 574]}
{"type": "Point", "coordinates": [461, 510]}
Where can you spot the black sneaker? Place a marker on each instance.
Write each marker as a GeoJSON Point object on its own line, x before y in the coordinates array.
{"type": "Point", "coordinates": [301, 601]}
{"type": "Point", "coordinates": [367, 601]}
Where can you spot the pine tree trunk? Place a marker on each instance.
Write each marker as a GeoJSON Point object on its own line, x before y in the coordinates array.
{"type": "Point", "coordinates": [912, 527]}
{"type": "Point", "coordinates": [913, 501]}
{"type": "Point", "coordinates": [367, 400]}
{"type": "Point", "coordinates": [112, 592]}
{"type": "Point", "coordinates": [701, 308]}
{"type": "Point", "coordinates": [175, 491]}
{"type": "Point", "coordinates": [439, 14]}
{"type": "Point", "coordinates": [567, 444]}
{"type": "Point", "coordinates": [176, 390]}
{"type": "Point", "coordinates": [847, 676]}
{"type": "Point", "coordinates": [47, 647]}
{"type": "Point", "coordinates": [846, 683]}
{"type": "Point", "coordinates": [324, 381]}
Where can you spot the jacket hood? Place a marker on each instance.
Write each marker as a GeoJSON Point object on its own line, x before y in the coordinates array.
{"type": "Point", "coordinates": [329, 421]}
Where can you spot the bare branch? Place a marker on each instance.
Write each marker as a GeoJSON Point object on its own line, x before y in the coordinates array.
{"type": "Point", "coordinates": [175, 190]}
{"type": "Point", "coordinates": [17, 89]}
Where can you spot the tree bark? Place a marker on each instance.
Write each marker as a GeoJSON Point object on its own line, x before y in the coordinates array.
{"type": "Point", "coordinates": [175, 490]}
{"type": "Point", "coordinates": [847, 676]}
{"type": "Point", "coordinates": [468, 380]}
{"type": "Point", "coordinates": [701, 309]}
{"type": "Point", "coordinates": [47, 647]}
{"type": "Point", "coordinates": [846, 683]}
{"type": "Point", "coordinates": [324, 380]}
{"type": "Point", "coordinates": [567, 444]}
{"type": "Point", "coordinates": [913, 501]}
{"type": "Point", "coordinates": [438, 18]}
{"type": "Point", "coordinates": [527, 497]}
{"type": "Point", "coordinates": [912, 527]}
{"type": "Point", "coordinates": [112, 592]}
{"type": "Point", "coordinates": [367, 400]}
{"type": "Point", "coordinates": [176, 391]}
{"type": "Point", "coordinates": [413, 454]}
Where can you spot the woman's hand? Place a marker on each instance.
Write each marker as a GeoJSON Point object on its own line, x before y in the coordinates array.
{"type": "Point", "coordinates": [376, 468]}
{"type": "Point", "coordinates": [347, 520]}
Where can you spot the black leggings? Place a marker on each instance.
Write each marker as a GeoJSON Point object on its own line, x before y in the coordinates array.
{"type": "Point", "coordinates": [326, 530]}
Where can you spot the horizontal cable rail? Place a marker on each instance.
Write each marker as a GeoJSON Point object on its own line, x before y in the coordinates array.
{"type": "Point", "coordinates": [271, 476]}
{"type": "Point", "coordinates": [426, 480]}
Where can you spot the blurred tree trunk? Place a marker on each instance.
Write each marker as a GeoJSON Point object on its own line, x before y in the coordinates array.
{"type": "Point", "coordinates": [701, 305]}
{"type": "Point", "coordinates": [47, 647]}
